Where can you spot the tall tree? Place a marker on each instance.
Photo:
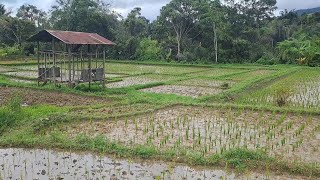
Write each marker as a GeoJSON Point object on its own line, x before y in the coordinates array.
{"type": "Point", "coordinates": [84, 15]}
{"type": "Point", "coordinates": [4, 11]}
{"type": "Point", "coordinates": [16, 31]}
{"type": "Point", "coordinates": [136, 24]}
{"type": "Point", "coordinates": [181, 17]}
{"type": "Point", "coordinates": [33, 14]}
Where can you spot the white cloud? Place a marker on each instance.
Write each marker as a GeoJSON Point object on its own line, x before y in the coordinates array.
{"type": "Point", "coordinates": [297, 4]}
{"type": "Point", "coordinates": [15, 4]}
{"type": "Point", "coordinates": [151, 8]}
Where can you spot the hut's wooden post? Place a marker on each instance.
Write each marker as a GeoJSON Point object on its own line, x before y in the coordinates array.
{"type": "Point", "coordinates": [38, 61]}
{"type": "Point", "coordinates": [69, 64]}
{"type": "Point", "coordinates": [54, 61]}
{"type": "Point", "coordinates": [73, 68]}
{"type": "Point", "coordinates": [104, 67]}
{"type": "Point", "coordinates": [90, 68]}
{"type": "Point", "coordinates": [45, 66]}
{"type": "Point", "coordinates": [97, 56]}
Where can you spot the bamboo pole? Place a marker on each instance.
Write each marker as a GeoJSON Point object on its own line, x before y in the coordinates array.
{"type": "Point", "coordinates": [54, 61]}
{"type": "Point", "coordinates": [104, 67]}
{"type": "Point", "coordinates": [69, 64]}
{"type": "Point", "coordinates": [97, 56]}
{"type": "Point", "coordinates": [45, 66]}
{"type": "Point", "coordinates": [73, 68]}
{"type": "Point", "coordinates": [38, 61]}
{"type": "Point", "coordinates": [90, 69]}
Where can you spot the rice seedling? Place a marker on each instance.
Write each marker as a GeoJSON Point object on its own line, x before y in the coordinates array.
{"type": "Point", "coordinates": [212, 131]}
{"type": "Point", "coordinates": [302, 91]}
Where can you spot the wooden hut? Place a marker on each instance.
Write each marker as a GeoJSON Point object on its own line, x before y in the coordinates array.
{"type": "Point", "coordinates": [71, 57]}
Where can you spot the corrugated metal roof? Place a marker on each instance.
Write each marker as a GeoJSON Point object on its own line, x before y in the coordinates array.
{"type": "Point", "coordinates": [71, 37]}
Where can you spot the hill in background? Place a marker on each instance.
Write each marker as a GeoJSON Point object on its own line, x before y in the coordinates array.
{"type": "Point", "coordinates": [308, 11]}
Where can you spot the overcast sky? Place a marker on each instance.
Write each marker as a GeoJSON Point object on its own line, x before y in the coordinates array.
{"type": "Point", "coordinates": [151, 8]}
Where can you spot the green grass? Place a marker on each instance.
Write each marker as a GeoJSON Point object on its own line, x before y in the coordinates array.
{"type": "Point", "coordinates": [302, 85]}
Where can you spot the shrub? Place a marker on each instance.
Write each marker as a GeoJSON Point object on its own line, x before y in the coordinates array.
{"type": "Point", "coordinates": [148, 50]}
{"type": "Point", "coordinates": [225, 86]}
{"type": "Point", "coordinates": [10, 114]}
{"type": "Point", "coordinates": [9, 51]}
{"type": "Point", "coordinates": [282, 94]}
{"type": "Point", "coordinates": [268, 60]}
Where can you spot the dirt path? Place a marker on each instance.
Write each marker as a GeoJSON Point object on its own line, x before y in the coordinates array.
{"type": "Point", "coordinates": [34, 97]}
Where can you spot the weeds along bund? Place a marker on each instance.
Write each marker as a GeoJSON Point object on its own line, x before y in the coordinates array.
{"type": "Point", "coordinates": [255, 119]}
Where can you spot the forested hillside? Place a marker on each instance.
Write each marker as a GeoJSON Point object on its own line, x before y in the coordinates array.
{"type": "Point", "coordinates": [308, 11]}
{"type": "Point", "coordinates": [190, 31]}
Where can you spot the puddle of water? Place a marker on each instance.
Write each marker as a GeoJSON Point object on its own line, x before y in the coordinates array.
{"type": "Point", "coordinates": [47, 164]}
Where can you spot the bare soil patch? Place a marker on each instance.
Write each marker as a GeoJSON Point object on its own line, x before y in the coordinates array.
{"type": "Point", "coordinates": [4, 69]}
{"type": "Point", "coordinates": [130, 81]}
{"type": "Point", "coordinates": [191, 91]}
{"type": "Point", "coordinates": [206, 83]}
{"type": "Point", "coordinates": [114, 75]}
{"type": "Point", "coordinates": [23, 74]}
{"type": "Point", "coordinates": [34, 97]}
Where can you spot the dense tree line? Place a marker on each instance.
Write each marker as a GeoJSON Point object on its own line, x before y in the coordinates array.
{"type": "Point", "coordinates": [194, 31]}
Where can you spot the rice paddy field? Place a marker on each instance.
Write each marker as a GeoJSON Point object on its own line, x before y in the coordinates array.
{"type": "Point", "coordinates": [162, 121]}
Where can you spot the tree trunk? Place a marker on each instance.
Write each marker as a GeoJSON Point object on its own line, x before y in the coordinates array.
{"type": "Point", "coordinates": [215, 42]}
{"type": "Point", "coordinates": [179, 47]}
{"type": "Point", "coordinates": [178, 38]}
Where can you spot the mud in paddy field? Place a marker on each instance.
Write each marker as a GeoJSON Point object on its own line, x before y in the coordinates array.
{"type": "Point", "coordinates": [130, 82]}
{"type": "Point", "coordinates": [210, 130]}
{"type": "Point", "coordinates": [206, 83]}
{"type": "Point", "coordinates": [5, 69]}
{"type": "Point", "coordinates": [34, 97]}
{"type": "Point", "coordinates": [23, 74]}
{"type": "Point", "coordinates": [141, 80]}
{"type": "Point", "coordinates": [48, 164]}
{"type": "Point", "coordinates": [191, 91]}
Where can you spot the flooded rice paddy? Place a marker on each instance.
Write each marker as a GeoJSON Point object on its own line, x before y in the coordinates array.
{"type": "Point", "coordinates": [191, 91]}
{"type": "Point", "coordinates": [208, 130]}
{"type": "Point", "coordinates": [37, 164]}
{"type": "Point", "coordinates": [131, 81]}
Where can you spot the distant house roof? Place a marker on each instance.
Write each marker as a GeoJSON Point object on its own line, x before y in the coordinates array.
{"type": "Point", "coordinates": [71, 37]}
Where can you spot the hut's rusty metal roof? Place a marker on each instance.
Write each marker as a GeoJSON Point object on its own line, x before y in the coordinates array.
{"type": "Point", "coordinates": [71, 37]}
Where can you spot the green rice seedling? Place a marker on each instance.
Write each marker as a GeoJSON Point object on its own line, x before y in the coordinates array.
{"type": "Point", "coordinates": [199, 136]}
{"type": "Point", "coordinates": [187, 134]}
{"type": "Point", "coordinates": [178, 121]}
{"type": "Point", "coordinates": [126, 122]}
{"type": "Point", "coordinates": [281, 131]}
{"type": "Point", "coordinates": [301, 128]}
{"type": "Point", "coordinates": [283, 141]}
{"type": "Point", "coordinates": [288, 126]}
{"type": "Point", "coordinates": [193, 133]}
{"type": "Point", "coordinates": [184, 121]}
{"type": "Point", "coordinates": [136, 126]}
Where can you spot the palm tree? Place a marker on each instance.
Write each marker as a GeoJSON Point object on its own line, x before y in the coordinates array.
{"type": "Point", "coordinates": [2, 10]}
